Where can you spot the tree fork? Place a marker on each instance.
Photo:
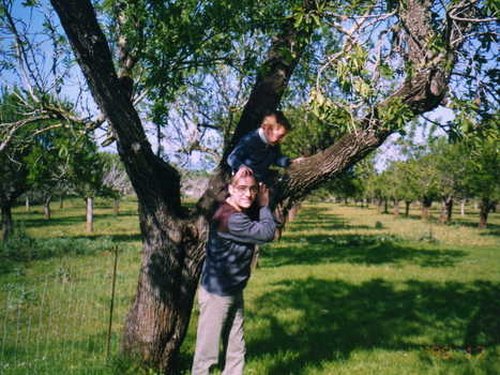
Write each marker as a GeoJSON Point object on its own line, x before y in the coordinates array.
{"type": "Point", "coordinates": [172, 245]}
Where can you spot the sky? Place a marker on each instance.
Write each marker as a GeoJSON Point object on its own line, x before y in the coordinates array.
{"type": "Point", "coordinates": [74, 82]}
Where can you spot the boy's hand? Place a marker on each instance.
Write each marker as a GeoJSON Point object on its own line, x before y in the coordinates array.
{"type": "Point", "coordinates": [244, 169]}
{"type": "Point", "coordinates": [263, 195]}
{"type": "Point", "coordinates": [297, 160]}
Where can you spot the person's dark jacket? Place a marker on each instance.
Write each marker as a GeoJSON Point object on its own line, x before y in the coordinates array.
{"type": "Point", "coordinates": [258, 155]}
{"type": "Point", "coordinates": [229, 251]}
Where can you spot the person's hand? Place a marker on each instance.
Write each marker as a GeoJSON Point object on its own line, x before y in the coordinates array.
{"type": "Point", "coordinates": [263, 195]}
{"type": "Point", "coordinates": [243, 170]}
{"type": "Point", "coordinates": [297, 160]}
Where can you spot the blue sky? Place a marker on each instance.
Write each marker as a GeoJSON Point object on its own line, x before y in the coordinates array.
{"type": "Point", "coordinates": [75, 82]}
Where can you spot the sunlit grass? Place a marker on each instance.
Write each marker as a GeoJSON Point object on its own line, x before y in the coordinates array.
{"type": "Point", "coordinates": [345, 291]}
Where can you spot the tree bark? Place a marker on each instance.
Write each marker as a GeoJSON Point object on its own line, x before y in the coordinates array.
{"type": "Point", "coordinates": [484, 210]}
{"type": "Point", "coordinates": [380, 205]}
{"type": "Point", "coordinates": [395, 208]}
{"type": "Point", "coordinates": [89, 214]}
{"type": "Point", "coordinates": [46, 207]}
{"type": "Point", "coordinates": [116, 206]}
{"type": "Point", "coordinates": [407, 208]}
{"type": "Point", "coordinates": [446, 209]}
{"type": "Point", "coordinates": [426, 206]}
{"type": "Point", "coordinates": [7, 224]}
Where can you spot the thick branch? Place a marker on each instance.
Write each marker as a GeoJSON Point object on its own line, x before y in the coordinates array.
{"type": "Point", "coordinates": [421, 92]}
{"type": "Point", "coordinates": [147, 172]}
{"type": "Point", "coordinates": [284, 54]}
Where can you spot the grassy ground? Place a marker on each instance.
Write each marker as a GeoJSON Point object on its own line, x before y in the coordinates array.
{"type": "Point", "coordinates": [345, 291]}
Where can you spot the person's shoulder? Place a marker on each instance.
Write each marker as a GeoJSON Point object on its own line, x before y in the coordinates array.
{"type": "Point", "coordinates": [222, 215]}
{"type": "Point", "coordinates": [251, 136]}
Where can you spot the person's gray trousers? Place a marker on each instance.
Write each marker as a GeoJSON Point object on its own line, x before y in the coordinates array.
{"type": "Point", "coordinates": [221, 317]}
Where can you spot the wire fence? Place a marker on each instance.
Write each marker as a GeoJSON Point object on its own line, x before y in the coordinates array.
{"type": "Point", "coordinates": [67, 320]}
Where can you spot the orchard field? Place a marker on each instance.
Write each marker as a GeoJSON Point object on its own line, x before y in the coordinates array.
{"type": "Point", "coordinates": [346, 290]}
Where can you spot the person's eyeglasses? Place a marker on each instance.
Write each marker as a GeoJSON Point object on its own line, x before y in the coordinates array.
{"type": "Point", "coordinates": [241, 189]}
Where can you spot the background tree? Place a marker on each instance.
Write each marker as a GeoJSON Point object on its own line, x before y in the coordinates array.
{"type": "Point", "coordinates": [451, 173]}
{"type": "Point", "coordinates": [376, 190]}
{"type": "Point", "coordinates": [86, 175]}
{"type": "Point", "coordinates": [13, 170]}
{"type": "Point", "coordinates": [482, 173]}
{"type": "Point", "coordinates": [378, 65]}
{"type": "Point", "coordinates": [392, 186]}
{"type": "Point", "coordinates": [406, 182]}
{"type": "Point", "coordinates": [50, 161]}
{"type": "Point", "coordinates": [115, 179]}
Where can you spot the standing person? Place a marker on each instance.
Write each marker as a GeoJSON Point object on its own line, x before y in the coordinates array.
{"type": "Point", "coordinates": [259, 149]}
{"type": "Point", "coordinates": [234, 231]}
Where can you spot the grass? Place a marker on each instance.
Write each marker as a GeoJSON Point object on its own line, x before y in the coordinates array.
{"type": "Point", "coordinates": [345, 291]}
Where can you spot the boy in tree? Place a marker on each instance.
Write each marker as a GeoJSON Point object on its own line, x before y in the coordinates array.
{"type": "Point", "coordinates": [260, 149]}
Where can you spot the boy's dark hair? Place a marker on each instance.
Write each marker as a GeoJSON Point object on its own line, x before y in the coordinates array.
{"type": "Point", "coordinates": [280, 118]}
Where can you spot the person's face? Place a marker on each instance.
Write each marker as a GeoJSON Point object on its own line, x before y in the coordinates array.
{"type": "Point", "coordinates": [273, 131]}
{"type": "Point", "coordinates": [243, 191]}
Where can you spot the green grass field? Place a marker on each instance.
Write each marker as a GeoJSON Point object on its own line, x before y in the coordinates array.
{"type": "Point", "coordinates": [346, 290]}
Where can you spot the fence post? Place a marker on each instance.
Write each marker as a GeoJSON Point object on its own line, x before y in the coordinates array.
{"type": "Point", "coordinates": [111, 305]}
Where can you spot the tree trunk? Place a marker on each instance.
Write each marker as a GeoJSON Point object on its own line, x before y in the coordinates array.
{"type": "Point", "coordinates": [47, 214]}
{"type": "Point", "coordinates": [61, 201]}
{"type": "Point", "coordinates": [116, 206]}
{"type": "Point", "coordinates": [380, 206]}
{"type": "Point", "coordinates": [446, 210]}
{"type": "Point", "coordinates": [89, 214]}
{"type": "Point", "coordinates": [426, 206]}
{"type": "Point", "coordinates": [292, 213]}
{"type": "Point", "coordinates": [484, 210]}
{"type": "Point", "coordinates": [407, 208]}
{"type": "Point", "coordinates": [395, 208]}
{"type": "Point", "coordinates": [462, 207]}
{"type": "Point", "coordinates": [386, 206]}
{"type": "Point", "coordinates": [157, 322]}
{"type": "Point", "coordinates": [7, 224]}
{"type": "Point", "coordinates": [27, 203]}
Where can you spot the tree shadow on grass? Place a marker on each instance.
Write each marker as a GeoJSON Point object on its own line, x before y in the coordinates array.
{"type": "Point", "coordinates": [353, 248]}
{"type": "Point", "coordinates": [40, 221]}
{"type": "Point", "coordinates": [22, 251]}
{"type": "Point", "coordinates": [317, 219]}
{"type": "Point", "coordinates": [319, 320]}
{"type": "Point", "coordinates": [117, 239]}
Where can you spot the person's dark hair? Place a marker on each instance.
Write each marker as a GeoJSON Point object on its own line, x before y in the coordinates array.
{"type": "Point", "coordinates": [280, 118]}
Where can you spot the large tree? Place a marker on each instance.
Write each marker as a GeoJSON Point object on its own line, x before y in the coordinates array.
{"type": "Point", "coordinates": [13, 168]}
{"type": "Point", "coordinates": [383, 64]}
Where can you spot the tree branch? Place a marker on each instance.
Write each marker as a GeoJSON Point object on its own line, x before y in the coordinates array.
{"type": "Point", "coordinates": [421, 92]}
{"type": "Point", "coordinates": [147, 172]}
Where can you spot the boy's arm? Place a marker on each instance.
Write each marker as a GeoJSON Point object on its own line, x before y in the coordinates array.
{"type": "Point", "coordinates": [236, 157]}
{"type": "Point", "coordinates": [240, 152]}
{"type": "Point", "coordinates": [282, 160]}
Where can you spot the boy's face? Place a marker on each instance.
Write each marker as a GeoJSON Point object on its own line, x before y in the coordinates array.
{"type": "Point", "coordinates": [273, 131]}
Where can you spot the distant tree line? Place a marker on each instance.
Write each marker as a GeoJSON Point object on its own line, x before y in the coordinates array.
{"type": "Point", "coordinates": [445, 173]}
{"type": "Point", "coordinates": [56, 162]}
